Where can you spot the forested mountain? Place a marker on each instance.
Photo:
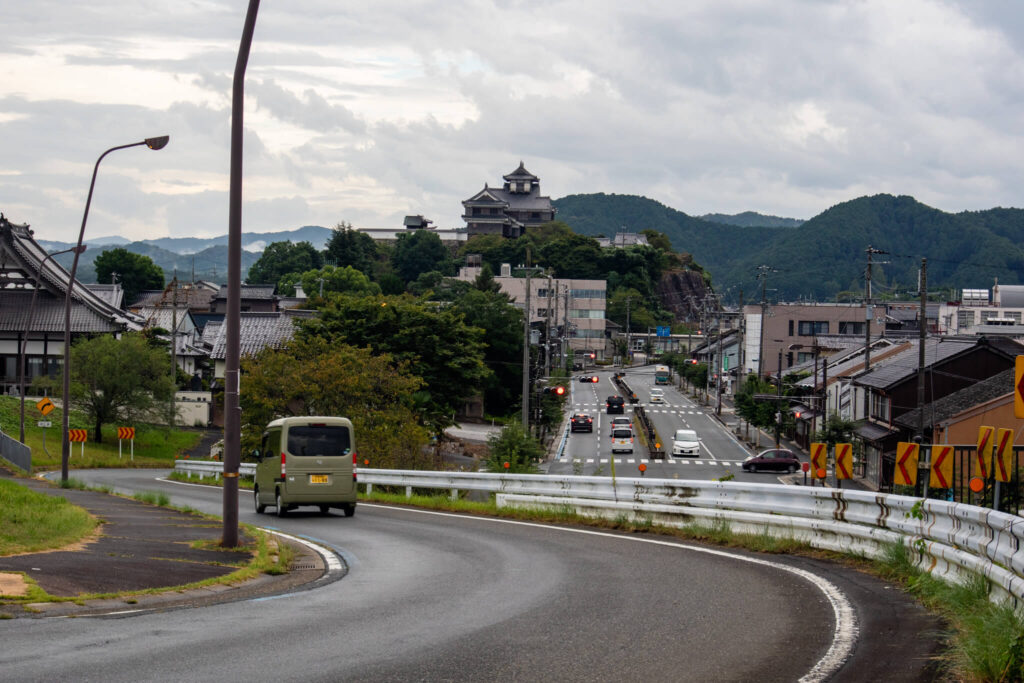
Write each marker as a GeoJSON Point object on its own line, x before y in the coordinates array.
{"type": "Point", "coordinates": [209, 264]}
{"type": "Point", "coordinates": [752, 219]}
{"type": "Point", "coordinates": [825, 256]}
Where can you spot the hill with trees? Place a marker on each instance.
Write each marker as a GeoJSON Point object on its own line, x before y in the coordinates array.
{"type": "Point", "coordinates": [824, 258]}
{"type": "Point", "coordinates": [752, 219]}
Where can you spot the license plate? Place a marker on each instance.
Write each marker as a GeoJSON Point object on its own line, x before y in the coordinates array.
{"type": "Point", "coordinates": [318, 479]}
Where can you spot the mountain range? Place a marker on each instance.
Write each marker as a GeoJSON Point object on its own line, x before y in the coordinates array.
{"type": "Point", "coordinates": [823, 258]}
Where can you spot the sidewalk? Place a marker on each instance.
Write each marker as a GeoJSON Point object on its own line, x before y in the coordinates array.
{"type": "Point", "coordinates": [731, 421]}
{"type": "Point", "coordinates": [139, 547]}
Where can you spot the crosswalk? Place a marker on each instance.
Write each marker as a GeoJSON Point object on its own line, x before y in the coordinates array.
{"type": "Point", "coordinates": [645, 461]}
{"type": "Point", "coordinates": [648, 408]}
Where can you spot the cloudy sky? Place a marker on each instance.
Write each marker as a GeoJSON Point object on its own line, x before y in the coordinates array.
{"type": "Point", "coordinates": [364, 111]}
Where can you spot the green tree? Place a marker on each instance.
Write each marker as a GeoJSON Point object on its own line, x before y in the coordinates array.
{"type": "Point", "coordinates": [114, 379]}
{"type": "Point", "coordinates": [314, 377]}
{"type": "Point", "coordinates": [350, 247]}
{"type": "Point", "coordinates": [420, 251]}
{"type": "Point", "coordinates": [282, 258]}
{"type": "Point", "coordinates": [515, 448]}
{"type": "Point", "coordinates": [433, 339]}
{"type": "Point", "coordinates": [485, 281]}
{"type": "Point", "coordinates": [135, 272]}
{"type": "Point", "coordinates": [345, 279]}
{"type": "Point", "coordinates": [502, 323]}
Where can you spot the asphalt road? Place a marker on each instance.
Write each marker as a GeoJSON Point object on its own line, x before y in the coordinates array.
{"type": "Point", "coordinates": [432, 596]}
{"type": "Point", "coordinates": [721, 454]}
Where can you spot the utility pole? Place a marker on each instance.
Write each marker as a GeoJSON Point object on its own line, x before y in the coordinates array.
{"type": "Point", "coordinates": [778, 403]}
{"type": "Point", "coordinates": [629, 344]}
{"type": "Point", "coordinates": [547, 330]}
{"type": "Point", "coordinates": [565, 331]}
{"type": "Point", "coordinates": [526, 345]}
{"type": "Point", "coordinates": [740, 355]}
{"type": "Point", "coordinates": [718, 355]}
{"type": "Point", "coordinates": [762, 275]}
{"type": "Point", "coordinates": [923, 324]}
{"type": "Point", "coordinates": [174, 344]}
{"type": "Point", "coordinates": [871, 251]}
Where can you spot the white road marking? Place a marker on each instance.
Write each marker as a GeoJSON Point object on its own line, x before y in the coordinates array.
{"type": "Point", "coordinates": [844, 630]}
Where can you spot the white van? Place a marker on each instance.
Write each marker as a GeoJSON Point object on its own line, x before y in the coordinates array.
{"type": "Point", "coordinates": [622, 440]}
{"type": "Point", "coordinates": [657, 395]}
{"type": "Point", "coordinates": [685, 442]}
{"type": "Point", "coordinates": [307, 461]}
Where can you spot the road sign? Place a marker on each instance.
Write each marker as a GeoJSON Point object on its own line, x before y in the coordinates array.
{"type": "Point", "coordinates": [844, 460]}
{"type": "Point", "coordinates": [664, 331]}
{"type": "Point", "coordinates": [819, 458]}
{"type": "Point", "coordinates": [44, 423]}
{"type": "Point", "coordinates": [45, 406]}
{"type": "Point", "coordinates": [986, 440]}
{"type": "Point", "coordinates": [126, 432]}
{"type": "Point", "coordinates": [942, 467]}
{"type": "Point", "coordinates": [907, 455]}
{"type": "Point", "coordinates": [1018, 387]}
{"type": "Point", "coordinates": [1004, 455]}
{"type": "Point", "coordinates": [78, 434]}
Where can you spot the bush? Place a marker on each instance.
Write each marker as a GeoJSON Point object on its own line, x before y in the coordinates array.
{"type": "Point", "coordinates": [513, 450]}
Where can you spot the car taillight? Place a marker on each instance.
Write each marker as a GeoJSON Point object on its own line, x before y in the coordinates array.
{"type": "Point", "coordinates": [354, 458]}
{"type": "Point", "coordinates": [282, 466]}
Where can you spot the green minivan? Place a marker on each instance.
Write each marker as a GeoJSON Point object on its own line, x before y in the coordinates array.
{"type": "Point", "coordinates": [307, 461]}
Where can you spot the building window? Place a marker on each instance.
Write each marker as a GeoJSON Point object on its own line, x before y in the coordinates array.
{"type": "Point", "coordinates": [809, 328]}
{"type": "Point", "coordinates": [850, 327]}
{"type": "Point", "coordinates": [804, 357]}
{"type": "Point", "coordinates": [880, 406]}
{"type": "Point", "coordinates": [790, 328]}
{"type": "Point", "coordinates": [593, 313]}
{"type": "Point", "coordinates": [587, 293]}
{"type": "Point", "coordinates": [964, 319]}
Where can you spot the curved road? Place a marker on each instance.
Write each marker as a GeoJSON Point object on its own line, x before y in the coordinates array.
{"type": "Point", "coordinates": [431, 596]}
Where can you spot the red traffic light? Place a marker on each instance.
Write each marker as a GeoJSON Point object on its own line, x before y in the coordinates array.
{"type": "Point", "coordinates": [559, 390]}
{"type": "Point", "coordinates": [593, 356]}
{"type": "Point", "coordinates": [594, 379]}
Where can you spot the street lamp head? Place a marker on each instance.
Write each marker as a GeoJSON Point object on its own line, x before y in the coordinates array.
{"type": "Point", "coordinates": [158, 143]}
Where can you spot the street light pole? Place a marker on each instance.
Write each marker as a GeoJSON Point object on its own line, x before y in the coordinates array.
{"type": "Point", "coordinates": [28, 330]}
{"type": "Point", "coordinates": [233, 315]}
{"type": "Point", "coordinates": [65, 449]}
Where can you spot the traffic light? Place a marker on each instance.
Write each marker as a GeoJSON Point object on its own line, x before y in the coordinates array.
{"type": "Point", "coordinates": [593, 356]}
{"type": "Point", "coordinates": [557, 390]}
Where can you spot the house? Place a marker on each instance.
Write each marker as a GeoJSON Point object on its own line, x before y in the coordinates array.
{"type": "Point", "coordinates": [956, 418]}
{"type": "Point", "coordinates": [622, 240]}
{"type": "Point", "coordinates": [510, 210]}
{"type": "Point", "coordinates": [256, 331]}
{"type": "Point", "coordinates": [252, 298]}
{"type": "Point", "coordinates": [891, 389]}
{"type": "Point", "coordinates": [32, 293]}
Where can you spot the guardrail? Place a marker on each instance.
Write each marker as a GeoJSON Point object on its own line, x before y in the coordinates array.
{"type": "Point", "coordinates": [620, 382]}
{"type": "Point", "coordinates": [952, 540]}
{"type": "Point", "coordinates": [15, 452]}
{"type": "Point", "coordinates": [653, 440]}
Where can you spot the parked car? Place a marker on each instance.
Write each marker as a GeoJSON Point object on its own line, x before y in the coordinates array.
{"type": "Point", "coordinates": [685, 442]}
{"type": "Point", "coordinates": [589, 379]}
{"type": "Point", "coordinates": [615, 404]}
{"type": "Point", "coordinates": [773, 459]}
{"type": "Point", "coordinates": [622, 440]}
{"type": "Point", "coordinates": [581, 422]}
{"type": "Point", "coordinates": [657, 395]}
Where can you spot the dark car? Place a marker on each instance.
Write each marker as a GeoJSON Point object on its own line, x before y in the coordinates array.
{"type": "Point", "coordinates": [615, 404]}
{"type": "Point", "coordinates": [773, 459]}
{"type": "Point", "coordinates": [589, 379]}
{"type": "Point", "coordinates": [581, 422]}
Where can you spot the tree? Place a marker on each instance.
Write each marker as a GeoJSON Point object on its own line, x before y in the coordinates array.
{"type": "Point", "coordinates": [115, 379]}
{"type": "Point", "coordinates": [282, 258]}
{"type": "Point", "coordinates": [345, 279]}
{"type": "Point", "coordinates": [485, 281]}
{"type": "Point", "coordinates": [434, 340]}
{"type": "Point", "coordinates": [349, 247]}
{"type": "Point", "coordinates": [502, 323]}
{"type": "Point", "coordinates": [135, 272]}
{"type": "Point", "coordinates": [420, 251]}
{"type": "Point", "coordinates": [314, 377]}
{"type": "Point", "coordinates": [515, 448]}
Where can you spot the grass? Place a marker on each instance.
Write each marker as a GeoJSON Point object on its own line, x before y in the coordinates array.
{"type": "Point", "coordinates": [32, 522]}
{"type": "Point", "coordinates": [215, 480]}
{"type": "Point", "coordinates": [155, 445]}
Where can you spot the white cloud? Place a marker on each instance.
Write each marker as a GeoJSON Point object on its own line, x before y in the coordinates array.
{"type": "Point", "coordinates": [367, 111]}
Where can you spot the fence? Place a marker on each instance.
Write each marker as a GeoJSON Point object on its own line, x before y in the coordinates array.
{"type": "Point", "coordinates": [15, 452]}
{"type": "Point", "coordinates": [948, 539]}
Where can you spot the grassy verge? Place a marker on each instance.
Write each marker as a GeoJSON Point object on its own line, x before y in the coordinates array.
{"type": "Point", "coordinates": [155, 445]}
{"type": "Point", "coordinates": [209, 480]}
{"type": "Point", "coordinates": [31, 522]}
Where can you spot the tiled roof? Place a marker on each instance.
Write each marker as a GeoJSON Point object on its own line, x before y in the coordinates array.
{"type": "Point", "coordinates": [957, 402]}
{"type": "Point", "coordinates": [112, 294]}
{"type": "Point", "coordinates": [198, 297]}
{"type": "Point", "coordinates": [520, 173]}
{"type": "Point", "coordinates": [49, 315]}
{"type": "Point", "coordinates": [249, 292]}
{"type": "Point", "coordinates": [256, 331]}
{"type": "Point", "coordinates": [165, 317]}
{"type": "Point", "coordinates": [904, 365]}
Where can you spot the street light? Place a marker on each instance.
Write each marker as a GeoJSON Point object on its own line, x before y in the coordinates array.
{"type": "Point", "coordinates": [65, 450]}
{"type": "Point", "coordinates": [28, 330]}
